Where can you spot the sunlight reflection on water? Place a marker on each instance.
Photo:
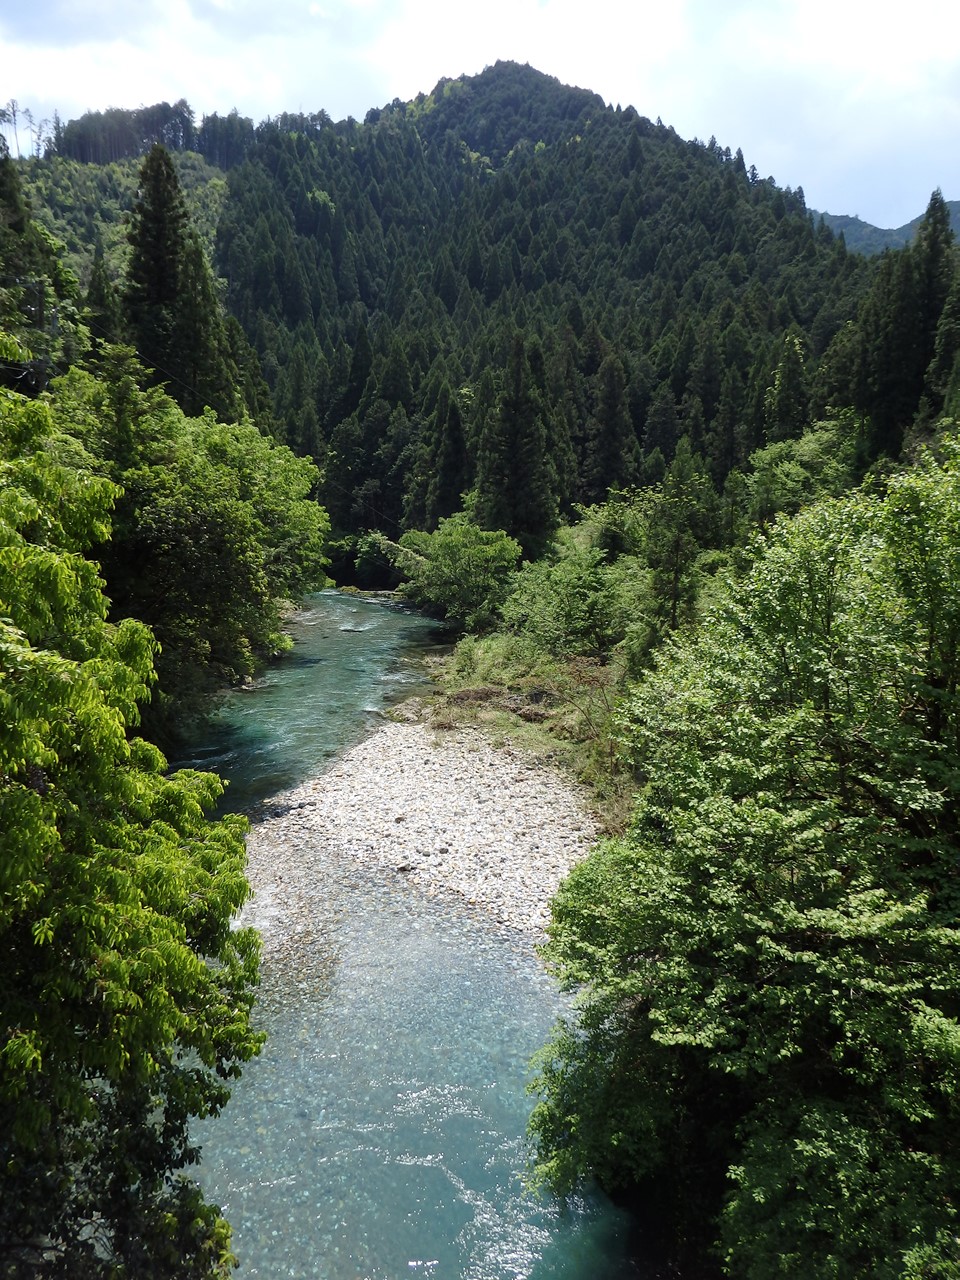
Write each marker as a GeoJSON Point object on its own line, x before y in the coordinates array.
{"type": "Point", "coordinates": [381, 1133]}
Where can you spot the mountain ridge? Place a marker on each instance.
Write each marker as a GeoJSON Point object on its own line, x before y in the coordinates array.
{"type": "Point", "coordinates": [865, 237]}
{"type": "Point", "coordinates": [532, 108]}
{"type": "Point", "coordinates": [396, 277]}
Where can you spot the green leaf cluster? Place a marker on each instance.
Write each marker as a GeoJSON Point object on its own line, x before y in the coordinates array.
{"type": "Point", "coordinates": [39, 295]}
{"type": "Point", "coordinates": [125, 991]}
{"type": "Point", "coordinates": [462, 571]}
{"type": "Point", "coordinates": [766, 1049]}
{"type": "Point", "coordinates": [214, 529]}
{"type": "Point", "coordinates": [565, 603]}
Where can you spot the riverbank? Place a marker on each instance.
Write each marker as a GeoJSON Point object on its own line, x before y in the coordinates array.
{"type": "Point", "coordinates": [487, 826]}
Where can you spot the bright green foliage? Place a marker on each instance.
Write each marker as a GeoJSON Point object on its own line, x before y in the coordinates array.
{"type": "Point", "coordinates": [768, 1048]}
{"type": "Point", "coordinates": [215, 526]}
{"type": "Point", "coordinates": [125, 994]}
{"type": "Point", "coordinates": [788, 475]}
{"type": "Point", "coordinates": [38, 294]}
{"type": "Point", "coordinates": [461, 570]}
{"type": "Point", "coordinates": [681, 523]}
{"type": "Point", "coordinates": [565, 602]}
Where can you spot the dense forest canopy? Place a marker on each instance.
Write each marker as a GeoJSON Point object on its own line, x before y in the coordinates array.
{"type": "Point", "coordinates": [685, 468]}
{"type": "Point", "coordinates": [382, 270]}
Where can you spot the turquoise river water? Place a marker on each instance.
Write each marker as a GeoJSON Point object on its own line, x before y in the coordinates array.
{"type": "Point", "coordinates": [381, 1133]}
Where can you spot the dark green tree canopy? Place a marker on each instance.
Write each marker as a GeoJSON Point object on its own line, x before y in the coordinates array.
{"type": "Point", "coordinates": [516, 483]}
{"type": "Point", "coordinates": [172, 310]}
{"type": "Point", "coordinates": [387, 258]}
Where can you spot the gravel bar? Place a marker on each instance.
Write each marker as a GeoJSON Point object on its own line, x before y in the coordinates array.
{"type": "Point", "coordinates": [446, 810]}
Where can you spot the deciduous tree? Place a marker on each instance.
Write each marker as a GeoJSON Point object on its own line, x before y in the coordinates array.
{"type": "Point", "coordinates": [767, 1046]}
{"type": "Point", "coordinates": [125, 994]}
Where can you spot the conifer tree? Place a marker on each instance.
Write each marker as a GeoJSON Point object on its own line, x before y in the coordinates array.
{"type": "Point", "coordinates": [448, 464]}
{"type": "Point", "coordinates": [943, 369]}
{"type": "Point", "coordinates": [786, 404]}
{"type": "Point", "coordinates": [171, 304]}
{"type": "Point", "coordinates": [613, 451]}
{"type": "Point", "coordinates": [395, 384]}
{"type": "Point", "coordinates": [891, 362]}
{"type": "Point", "coordinates": [935, 267]}
{"type": "Point", "coordinates": [662, 427]}
{"type": "Point", "coordinates": [682, 522]}
{"type": "Point", "coordinates": [206, 376]}
{"type": "Point", "coordinates": [514, 492]}
{"type": "Point", "coordinates": [158, 236]}
{"type": "Point", "coordinates": [103, 307]}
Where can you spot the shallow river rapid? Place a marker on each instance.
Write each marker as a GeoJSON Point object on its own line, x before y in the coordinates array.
{"type": "Point", "coordinates": [381, 1133]}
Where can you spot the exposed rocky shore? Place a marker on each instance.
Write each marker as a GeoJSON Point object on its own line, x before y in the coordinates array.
{"type": "Point", "coordinates": [445, 810]}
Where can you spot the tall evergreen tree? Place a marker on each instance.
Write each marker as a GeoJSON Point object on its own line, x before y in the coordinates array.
{"type": "Point", "coordinates": [613, 451]}
{"type": "Point", "coordinates": [681, 523]}
{"type": "Point", "coordinates": [206, 374]}
{"type": "Point", "coordinates": [103, 306]}
{"type": "Point", "coordinates": [786, 404]}
{"type": "Point", "coordinates": [158, 237]}
{"type": "Point", "coordinates": [935, 266]}
{"type": "Point", "coordinates": [514, 491]}
{"type": "Point", "coordinates": [663, 425]}
{"type": "Point", "coordinates": [943, 369]}
{"type": "Point", "coordinates": [448, 464]}
{"type": "Point", "coordinates": [891, 361]}
{"type": "Point", "coordinates": [171, 304]}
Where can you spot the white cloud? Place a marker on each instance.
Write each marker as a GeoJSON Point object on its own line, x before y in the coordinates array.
{"type": "Point", "coordinates": [863, 113]}
{"type": "Point", "coordinates": [604, 46]}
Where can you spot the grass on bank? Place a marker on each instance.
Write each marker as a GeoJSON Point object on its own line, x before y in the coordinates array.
{"type": "Point", "coordinates": [558, 710]}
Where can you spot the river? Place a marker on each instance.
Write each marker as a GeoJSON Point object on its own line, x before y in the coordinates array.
{"type": "Point", "coordinates": [381, 1132]}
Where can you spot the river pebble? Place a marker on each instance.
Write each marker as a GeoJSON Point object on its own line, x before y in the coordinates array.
{"type": "Point", "coordinates": [447, 811]}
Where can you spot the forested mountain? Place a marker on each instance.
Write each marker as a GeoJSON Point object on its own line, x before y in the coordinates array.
{"type": "Point", "coordinates": [383, 271]}
{"type": "Point", "coordinates": [863, 237]}
{"type": "Point", "coordinates": [686, 466]}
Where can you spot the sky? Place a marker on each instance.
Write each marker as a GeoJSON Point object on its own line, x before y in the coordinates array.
{"type": "Point", "coordinates": [857, 103]}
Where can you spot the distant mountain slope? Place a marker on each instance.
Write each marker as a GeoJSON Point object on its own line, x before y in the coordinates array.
{"type": "Point", "coordinates": [863, 237]}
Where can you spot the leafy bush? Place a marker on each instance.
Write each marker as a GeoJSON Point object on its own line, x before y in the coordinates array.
{"type": "Point", "coordinates": [462, 571]}
{"type": "Point", "coordinates": [215, 526]}
{"type": "Point", "coordinates": [565, 603]}
{"type": "Point", "coordinates": [769, 961]}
